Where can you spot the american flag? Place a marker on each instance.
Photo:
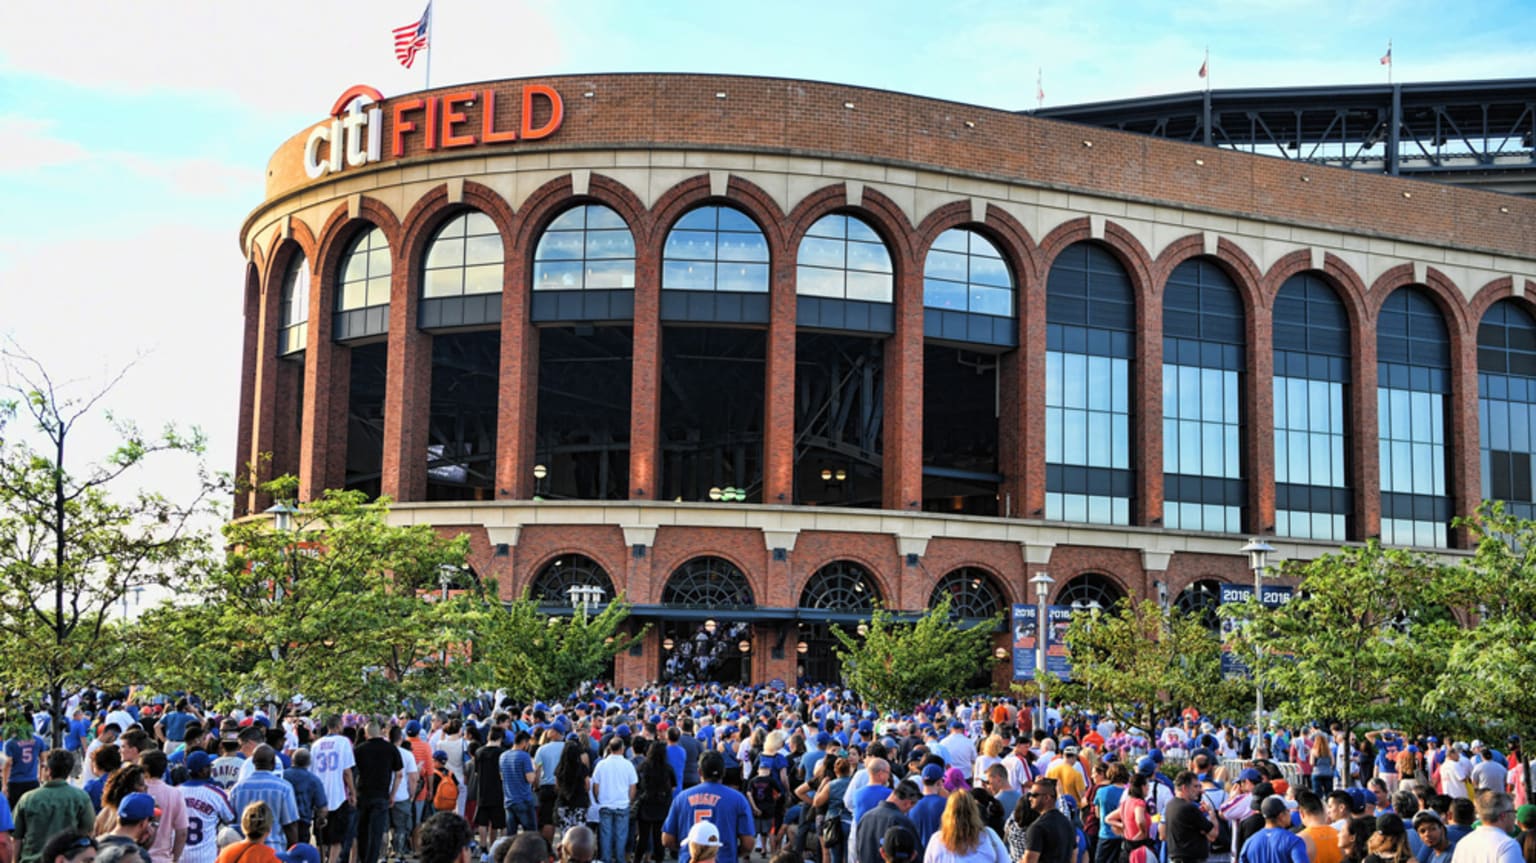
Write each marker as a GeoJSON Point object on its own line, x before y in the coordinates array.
{"type": "Point", "coordinates": [412, 38]}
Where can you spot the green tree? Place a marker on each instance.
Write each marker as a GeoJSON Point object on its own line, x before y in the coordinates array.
{"type": "Point", "coordinates": [1366, 629]}
{"type": "Point", "coordinates": [76, 538]}
{"type": "Point", "coordinates": [1142, 662]}
{"type": "Point", "coordinates": [897, 664]}
{"type": "Point", "coordinates": [331, 609]}
{"type": "Point", "coordinates": [530, 654]}
{"type": "Point", "coordinates": [1488, 682]}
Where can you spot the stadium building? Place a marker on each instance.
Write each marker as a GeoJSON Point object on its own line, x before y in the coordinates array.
{"type": "Point", "coordinates": [763, 353]}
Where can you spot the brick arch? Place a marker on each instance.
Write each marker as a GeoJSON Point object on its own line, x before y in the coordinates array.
{"type": "Point", "coordinates": [298, 232]}
{"type": "Point", "coordinates": [1063, 579]}
{"type": "Point", "coordinates": [1444, 293]}
{"type": "Point", "coordinates": [1117, 240]}
{"type": "Point", "coordinates": [998, 581]}
{"type": "Point", "coordinates": [277, 265]}
{"type": "Point", "coordinates": [340, 229]}
{"type": "Point", "coordinates": [557, 196]}
{"type": "Point", "coordinates": [1012, 239]}
{"type": "Point", "coordinates": [1246, 276]}
{"type": "Point", "coordinates": [756, 580]}
{"type": "Point", "coordinates": [697, 191]}
{"type": "Point", "coordinates": [1346, 283]}
{"type": "Point", "coordinates": [874, 209]}
{"type": "Point", "coordinates": [616, 575]}
{"type": "Point", "coordinates": [1498, 289]}
{"type": "Point", "coordinates": [433, 209]}
{"type": "Point", "coordinates": [882, 583]}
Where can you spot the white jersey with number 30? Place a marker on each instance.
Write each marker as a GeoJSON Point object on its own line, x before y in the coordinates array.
{"type": "Point", "coordinates": [330, 758]}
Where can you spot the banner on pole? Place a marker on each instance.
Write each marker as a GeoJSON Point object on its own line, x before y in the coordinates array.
{"type": "Point", "coordinates": [1025, 631]}
{"type": "Point", "coordinates": [1233, 665]}
{"type": "Point", "coordinates": [1058, 661]}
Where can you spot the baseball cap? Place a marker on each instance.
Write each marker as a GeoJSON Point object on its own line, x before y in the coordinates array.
{"type": "Point", "coordinates": [957, 724]}
{"type": "Point", "coordinates": [822, 739]}
{"type": "Point", "coordinates": [1272, 807]}
{"type": "Point", "coordinates": [440, 755]}
{"type": "Point", "coordinates": [1390, 824]}
{"type": "Point", "coordinates": [301, 852]}
{"type": "Point", "coordinates": [933, 774]}
{"type": "Point", "coordinates": [137, 806]}
{"type": "Point", "coordinates": [198, 761]}
{"type": "Point", "coordinates": [1426, 816]}
{"type": "Point", "coordinates": [705, 835]}
{"type": "Point", "coordinates": [1525, 816]}
{"type": "Point", "coordinates": [1148, 766]}
{"type": "Point", "coordinates": [412, 729]}
{"type": "Point", "coordinates": [1249, 774]}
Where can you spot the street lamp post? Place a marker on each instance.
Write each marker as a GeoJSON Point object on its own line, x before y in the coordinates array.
{"type": "Point", "coordinates": [585, 597]}
{"type": "Point", "coordinates": [1258, 552]}
{"type": "Point", "coordinates": [1042, 583]}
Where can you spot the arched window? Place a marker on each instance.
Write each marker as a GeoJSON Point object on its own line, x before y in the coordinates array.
{"type": "Point", "coordinates": [1311, 385]}
{"type": "Point", "coordinates": [973, 594]}
{"type": "Point", "coordinates": [965, 272]}
{"type": "Point", "coordinates": [1413, 378]}
{"type": "Point", "coordinates": [1090, 329]}
{"type": "Point", "coordinates": [708, 582]}
{"type": "Point", "coordinates": [553, 584]}
{"type": "Point", "coordinates": [588, 247]}
{"type": "Point", "coordinates": [1201, 600]}
{"type": "Point", "coordinates": [1090, 592]}
{"type": "Point", "coordinates": [840, 586]}
{"type": "Point", "coordinates": [843, 258]}
{"type": "Point", "coordinates": [463, 258]}
{"type": "Point", "coordinates": [1506, 390]}
{"type": "Point", "coordinates": [294, 334]}
{"type": "Point", "coordinates": [365, 273]}
{"type": "Point", "coordinates": [715, 248]}
{"type": "Point", "coordinates": [1203, 362]}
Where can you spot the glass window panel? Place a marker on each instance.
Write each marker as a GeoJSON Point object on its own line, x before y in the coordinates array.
{"type": "Point", "coordinates": [484, 279]}
{"type": "Point", "coordinates": [610, 245]}
{"type": "Point", "coordinates": [600, 217]}
{"type": "Point", "coordinates": [1402, 414]}
{"type": "Point", "coordinates": [482, 250]}
{"type": "Point", "coordinates": [1053, 506]}
{"type": "Point", "coordinates": [743, 278]}
{"type": "Point", "coordinates": [818, 282]}
{"type": "Point", "coordinates": [1053, 434]}
{"type": "Point", "coordinates": [688, 276]}
{"type": "Point", "coordinates": [990, 271]}
{"type": "Point", "coordinates": [1232, 404]}
{"type": "Point", "coordinates": [1189, 392]}
{"type": "Point", "coordinates": [476, 222]}
{"type": "Point", "coordinates": [861, 232]}
{"type": "Point", "coordinates": [1189, 445]}
{"type": "Point", "coordinates": [378, 262]}
{"type": "Point", "coordinates": [1499, 424]}
{"type": "Point", "coordinates": [1170, 390]}
{"type": "Point", "coordinates": [821, 253]}
{"type": "Point", "coordinates": [1099, 383]}
{"type": "Point", "coordinates": [1170, 445]}
{"type": "Point", "coordinates": [690, 246]}
{"type": "Point", "coordinates": [702, 219]}
{"type": "Point", "coordinates": [869, 287]}
{"type": "Point", "coordinates": [353, 295]}
{"type": "Point", "coordinates": [1336, 407]}
{"type": "Point", "coordinates": [1053, 366]}
{"type": "Point", "coordinates": [1121, 426]}
{"type": "Point", "coordinates": [1074, 380]}
{"type": "Point", "coordinates": [945, 265]}
{"type": "Point", "coordinates": [952, 240]}
{"type": "Point", "coordinates": [442, 283]}
{"type": "Point", "coordinates": [944, 295]}
{"type": "Point", "coordinates": [553, 246]}
{"type": "Point", "coordinates": [1074, 438]}
{"type": "Point", "coordinates": [1098, 509]}
{"type": "Point", "coordinates": [355, 270]}
{"type": "Point", "coordinates": [446, 252]}
{"type": "Point", "coordinates": [556, 275]}
{"type": "Point", "coordinates": [572, 219]}
{"type": "Point", "coordinates": [1121, 377]}
{"type": "Point", "coordinates": [1212, 393]}
{"type": "Point", "coordinates": [1100, 439]}
{"type": "Point", "coordinates": [1075, 507]}
{"type": "Point", "coordinates": [1120, 511]}
{"type": "Point", "coordinates": [870, 257]}
{"type": "Point", "coordinates": [1213, 449]}
{"type": "Point", "coordinates": [732, 219]}
{"type": "Point", "coordinates": [1282, 458]}
{"type": "Point", "coordinates": [378, 291]}
{"type": "Point", "coordinates": [1296, 403]}
{"type": "Point", "coordinates": [1301, 463]}
{"type": "Point", "coordinates": [610, 275]}
{"type": "Point", "coordinates": [1421, 406]}
{"type": "Point", "coordinates": [1384, 411]}
{"type": "Point", "coordinates": [1233, 452]}
{"type": "Point", "coordinates": [1402, 467]}
{"type": "Point", "coordinates": [1317, 406]}
{"type": "Point", "coordinates": [751, 248]}
{"type": "Point", "coordinates": [1336, 443]}
{"type": "Point", "coordinates": [991, 301]}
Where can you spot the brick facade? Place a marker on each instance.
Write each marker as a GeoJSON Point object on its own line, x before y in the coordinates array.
{"type": "Point", "coordinates": [653, 142]}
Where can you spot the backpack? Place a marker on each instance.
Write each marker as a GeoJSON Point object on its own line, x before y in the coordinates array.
{"type": "Point", "coordinates": [764, 792]}
{"type": "Point", "coordinates": [1222, 844]}
{"type": "Point", "coordinates": [447, 795]}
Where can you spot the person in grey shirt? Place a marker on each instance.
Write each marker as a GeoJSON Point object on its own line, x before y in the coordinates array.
{"type": "Point", "coordinates": [545, 760]}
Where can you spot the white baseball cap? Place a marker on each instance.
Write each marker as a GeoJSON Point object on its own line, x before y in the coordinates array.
{"type": "Point", "coordinates": [705, 835]}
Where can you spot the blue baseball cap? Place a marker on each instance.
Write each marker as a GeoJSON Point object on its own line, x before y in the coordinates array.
{"type": "Point", "coordinates": [823, 740]}
{"type": "Point", "coordinates": [301, 852]}
{"type": "Point", "coordinates": [1148, 767]}
{"type": "Point", "coordinates": [933, 774]}
{"type": "Point", "coordinates": [1250, 775]}
{"type": "Point", "coordinates": [137, 806]}
{"type": "Point", "coordinates": [198, 761]}
{"type": "Point", "coordinates": [412, 729]}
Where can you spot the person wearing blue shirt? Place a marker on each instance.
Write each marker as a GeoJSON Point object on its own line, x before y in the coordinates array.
{"type": "Point", "coordinates": [726, 808]}
{"type": "Point", "coordinates": [517, 785]}
{"type": "Point", "coordinates": [1107, 800]}
{"type": "Point", "coordinates": [677, 756]}
{"type": "Point", "coordinates": [1275, 843]}
{"type": "Point", "coordinates": [23, 754]}
{"type": "Point", "coordinates": [173, 725]}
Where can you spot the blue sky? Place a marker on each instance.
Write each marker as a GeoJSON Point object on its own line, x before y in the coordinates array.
{"type": "Point", "coordinates": [132, 143]}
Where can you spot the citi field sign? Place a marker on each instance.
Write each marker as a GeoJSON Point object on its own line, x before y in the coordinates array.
{"type": "Point", "coordinates": [355, 134]}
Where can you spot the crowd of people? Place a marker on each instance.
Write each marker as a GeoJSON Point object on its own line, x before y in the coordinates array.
{"type": "Point", "coordinates": [705, 773]}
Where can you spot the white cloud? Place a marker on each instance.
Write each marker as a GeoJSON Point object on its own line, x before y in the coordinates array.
{"type": "Point", "coordinates": [27, 144]}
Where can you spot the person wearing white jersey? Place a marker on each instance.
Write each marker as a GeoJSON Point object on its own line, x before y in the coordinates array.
{"type": "Point", "coordinates": [332, 761]}
{"type": "Point", "coordinates": [208, 810]}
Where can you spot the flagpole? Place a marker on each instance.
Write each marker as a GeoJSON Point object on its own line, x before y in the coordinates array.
{"type": "Point", "coordinates": [430, 38]}
{"type": "Point", "coordinates": [1039, 87]}
{"type": "Point", "coordinates": [1207, 67]}
{"type": "Point", "coordinates": [1389, 62]}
